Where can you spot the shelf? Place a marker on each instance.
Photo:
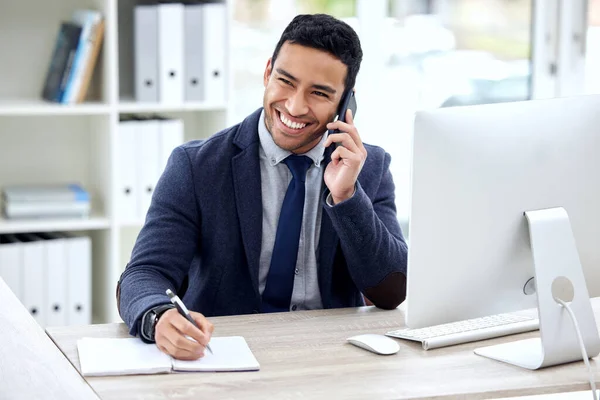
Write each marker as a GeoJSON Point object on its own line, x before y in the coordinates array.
{"type": "Point", "coordinates": [81, 142]}
{"type": "Point", "coordinates": [53, 225]}
{"type": "Point", "coordinates": [132, 107]}
{"type": "Point", "coordinates": [35, 107]}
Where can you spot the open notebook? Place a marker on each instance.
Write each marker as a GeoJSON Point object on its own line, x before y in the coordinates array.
{"type": "Point", "coordinates": [103, 357]}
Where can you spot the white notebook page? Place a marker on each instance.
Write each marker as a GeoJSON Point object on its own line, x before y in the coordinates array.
{"type": "Point", "coordinates": [101, 357]}
{"type": "Point", "coordinates": [104, 357]}
{"type": "Point", "coordinates": [230, 353]}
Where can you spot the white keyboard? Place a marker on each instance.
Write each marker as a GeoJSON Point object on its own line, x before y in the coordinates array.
{"type": "Point", "coordinates": [469, 330]}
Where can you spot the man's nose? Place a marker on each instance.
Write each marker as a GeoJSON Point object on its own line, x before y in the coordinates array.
{"type": "Point", "coordinates": [296, 104]}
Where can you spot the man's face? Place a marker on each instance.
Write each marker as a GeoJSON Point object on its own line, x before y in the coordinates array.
{"type": "Point", "coordinates": [302, 91]}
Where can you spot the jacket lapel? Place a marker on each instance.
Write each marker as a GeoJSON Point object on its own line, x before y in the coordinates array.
{"type": "Point", "coordinates": [328, 241]}
{"type": "Point", "coordinates": [248, 198]}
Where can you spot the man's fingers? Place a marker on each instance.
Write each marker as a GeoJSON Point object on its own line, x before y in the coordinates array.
{"type": "Point", "coordinates": [173, 327]}
{"type": "Point", "coordinates": [204, 324]}
{"type": "Point", "coordinates": [178, 344]}
{"type": "Point", "coordinates": [162, 348]}
{"type": "Point", "coordinates": [352, 151]}
{"type": "Point", "coordinates": [344, 139]}
{"type": "Point", "coordinates": [349, 128]}
{"type": "Point", "coordinates": [178, 337]}
{"type": "Point", "coordinates": [345, 154]}
{"type": "Point", "coordinates": [185, 327]}
{"type": "Point", "coordinates": [353, 132]}
{"type": "Point", "coordinates": [349, 117]}
{"type": "Point", "coordinates": [170, 349]}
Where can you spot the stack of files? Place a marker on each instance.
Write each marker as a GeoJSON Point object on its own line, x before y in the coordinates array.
{"type": "Point", "coordinates": [144, 148]}
{"type": "Point", "coordinates": [74, 58]}
{"type": "Point", "coordinates": [50, 273]}
{"type": "Point", "coordinates": [131, 356]}
{"type": "Point", "coordinates": [45, 201]}
{"type": "Point", "coordinates": [180, 52]}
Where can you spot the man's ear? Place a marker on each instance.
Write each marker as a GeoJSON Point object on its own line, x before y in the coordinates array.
{"type": "Point", "coordinates": [268, 70]}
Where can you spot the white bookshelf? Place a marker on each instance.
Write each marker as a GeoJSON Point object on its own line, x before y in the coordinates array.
{"type": "Point", "coordinates": [95, 222]}
{"type": "Point", "coordinates": [34, 107]}
{"type": "Point", "coordinates": [42, 142]}
{"type": "Point", "coordinates": [130, 106]}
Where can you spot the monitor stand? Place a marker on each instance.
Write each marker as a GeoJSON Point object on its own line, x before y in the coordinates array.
{"type": "Point", "coordinates": [558, 274]}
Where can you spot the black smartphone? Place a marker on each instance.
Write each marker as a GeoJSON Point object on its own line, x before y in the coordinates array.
{"type": "Point", "coordinates": [348, 102]}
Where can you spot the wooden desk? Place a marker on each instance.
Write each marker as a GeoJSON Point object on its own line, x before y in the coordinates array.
{"type": "Point", "coordinates": [305, 355]}
{"type": "Point", "coordinates": [31, 367]}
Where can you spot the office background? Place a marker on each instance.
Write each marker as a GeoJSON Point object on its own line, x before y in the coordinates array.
{"type": "Point", "coordinates": [418, 54]}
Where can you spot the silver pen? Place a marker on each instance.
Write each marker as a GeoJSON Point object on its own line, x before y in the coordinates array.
{"type": "Point", "coordinates": [184, 311]}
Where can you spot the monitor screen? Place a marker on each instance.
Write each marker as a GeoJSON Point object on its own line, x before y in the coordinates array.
{"type": "Point", "coordinates": [475, 171]}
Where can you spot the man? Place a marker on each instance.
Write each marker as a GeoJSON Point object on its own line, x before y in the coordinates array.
{"type": "Point", "coordinates": [270, 215]}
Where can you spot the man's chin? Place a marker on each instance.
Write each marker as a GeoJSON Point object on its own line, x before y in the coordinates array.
{"type": "Point", "coordinates": [296, 146]}
{"type": "Point", "coordinates": [287, 144]}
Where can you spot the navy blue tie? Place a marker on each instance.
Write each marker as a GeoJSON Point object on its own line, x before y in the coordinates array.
{"type": "Point", "coordinates": [280, 280]}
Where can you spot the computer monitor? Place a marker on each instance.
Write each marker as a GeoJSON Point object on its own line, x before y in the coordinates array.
{"type": "Point", "coordinates": [475, 171]}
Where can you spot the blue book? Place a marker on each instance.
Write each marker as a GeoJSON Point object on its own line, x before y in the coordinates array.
{"type": "Point", "coordinates": [61, 61]}
{"type": "Point", "coordinates": [88, 20]}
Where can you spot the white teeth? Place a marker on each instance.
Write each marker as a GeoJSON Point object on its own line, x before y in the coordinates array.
{"type": "Point", "coordinates": [290, 124]}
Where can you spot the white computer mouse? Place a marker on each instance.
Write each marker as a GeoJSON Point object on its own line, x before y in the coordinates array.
{"type": "Point", "coordinates": [378, 344]}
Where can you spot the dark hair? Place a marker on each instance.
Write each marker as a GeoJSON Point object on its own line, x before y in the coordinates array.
{"type": "Point", "coordinates": [324, 32]}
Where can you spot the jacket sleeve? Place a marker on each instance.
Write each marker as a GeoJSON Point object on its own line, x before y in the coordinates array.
{"type": "Point", "coordinates": [372, 241]}
{"type": "Point", "coordinates": [166, 244]}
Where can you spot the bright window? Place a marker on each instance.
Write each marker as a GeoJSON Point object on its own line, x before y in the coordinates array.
{"type": "Point", "coordinates": [440, 54]}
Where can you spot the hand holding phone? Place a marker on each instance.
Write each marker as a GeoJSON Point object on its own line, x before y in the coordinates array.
{"type": "Point", "coordinates": [348, 159]}
{"type": "Point", "coordinates": [347, 102]}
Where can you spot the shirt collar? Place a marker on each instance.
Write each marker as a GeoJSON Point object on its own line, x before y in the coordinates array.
{"type": "Point", "coordinates": [276, 154]}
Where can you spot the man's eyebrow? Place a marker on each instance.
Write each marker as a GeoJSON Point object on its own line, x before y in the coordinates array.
{"type": "Point", "coordinates": [291, 77]}
{"type": "Point", "coordinates": [287, 74]}
{"type": "Point", "coordinates": [325, 88]}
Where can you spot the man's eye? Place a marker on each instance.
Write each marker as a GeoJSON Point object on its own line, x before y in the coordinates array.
{"type": "Point", "coordinates": [320, 94]}
{"type": "Point", "coordinates": [285, 81]}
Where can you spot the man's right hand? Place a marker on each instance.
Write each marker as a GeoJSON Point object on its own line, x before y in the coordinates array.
{"type": "Point", "coordinates": [172, 329]}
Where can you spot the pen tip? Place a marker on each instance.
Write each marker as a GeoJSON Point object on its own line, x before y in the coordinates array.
{"type": "Point", "coordinates": [170, 293]}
